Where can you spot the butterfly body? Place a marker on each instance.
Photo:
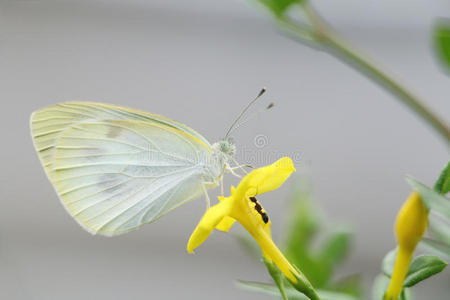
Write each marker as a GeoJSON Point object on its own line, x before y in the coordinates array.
{"type": "Point", "coordinates": [116, 168]}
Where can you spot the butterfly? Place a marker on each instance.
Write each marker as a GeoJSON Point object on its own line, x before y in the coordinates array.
{"type": "Point", "coordinates": [116, 168]}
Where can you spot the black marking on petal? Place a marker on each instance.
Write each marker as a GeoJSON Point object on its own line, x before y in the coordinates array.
{"type": "Point", "coordinates": [265, 217]}
{"type": "Point", "coordinates": [260, 210]}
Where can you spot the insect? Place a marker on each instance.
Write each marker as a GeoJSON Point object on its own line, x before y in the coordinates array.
{"type": "Point", "coordinates": [115, 168]}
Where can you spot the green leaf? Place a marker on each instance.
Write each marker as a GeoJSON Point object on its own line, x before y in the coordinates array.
{"type": "Point", "coordinates": [442, 185]}
{"type": "Point", "coordinates": [406, 294]}
{"type": "Point", "coordinates": [423, 267]}
{"type": "Point", "coordinates": [379, 287]}
{"type": "Point", "coordinates": [350, 285]}
{"type": "Point", "coordinates": [439, 228]}
{"type": "Point", "coordinates": [303, 285]}
{"type": "Point", "coordinates": [436, 247]}
{"type": "Point", "coordinates": [387, 266]}
{"type": "Point", "coordinates": [277, 276]}
{"type": "Point", "coordinates": [303, 226]}
{"type": "Point", "coordinates": [441, 33]}
{"type": "Point", "coordinates": [336, 248]}
{"type": "Point", "coordinates": [328, 295]}
{"type": "Point", "coordinates": [431, 198]}
{"type": "Point", "coordinates": [279, 7]}
{"type": "Point", "coordinates": [271, 289]}
{"type": "Point", "coordinates": [306, 225]}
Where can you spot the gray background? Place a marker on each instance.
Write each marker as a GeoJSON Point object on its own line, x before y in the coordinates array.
{"type": "Point", "coordinates": [199, 62]}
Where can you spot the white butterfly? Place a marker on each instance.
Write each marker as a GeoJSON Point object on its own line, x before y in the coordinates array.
{"type": "Point", "coordinates": [116, 168]}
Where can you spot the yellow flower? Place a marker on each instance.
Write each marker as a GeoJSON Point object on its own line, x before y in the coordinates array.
{"type": "Point", "coordinates": [411, 223]}
{"type": "Point", "coordinates": [243, 207]}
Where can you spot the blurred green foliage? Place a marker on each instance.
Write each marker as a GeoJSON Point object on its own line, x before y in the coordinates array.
{"type": "Point", "coordinates": [292, 294]}
{"type": "Point", "coordinates": [279, 7]}
{"type": "Point", "coordinates": [442, 185]}
{"type": "Point", "coordinates": [441, 33]}
{"type": "Point", "coordinates": [314, 248]}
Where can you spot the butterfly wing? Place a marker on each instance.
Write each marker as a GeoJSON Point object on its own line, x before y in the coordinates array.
{"type": "Point", "coordinates": [48, 123]}
{"type": "Point", "coordinates": [113, 175]}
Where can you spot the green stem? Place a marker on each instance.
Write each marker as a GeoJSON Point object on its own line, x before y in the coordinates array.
{"type": "Point", "coordinates": [402, 93]}
{"type": "Point", "coordinates": [323, 35]}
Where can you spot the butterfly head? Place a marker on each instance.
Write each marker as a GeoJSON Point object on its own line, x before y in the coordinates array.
{"type": "Point", "coordinates": [226, 146]}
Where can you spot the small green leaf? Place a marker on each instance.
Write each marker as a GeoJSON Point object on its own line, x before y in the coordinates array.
{"type": "Point", "coordinates": [279, 7]}
{"type": "Point", "coordinates": [387, 266]}
{"type": "Point", "coordinates": [264, 288]}
{"type": "Point", "coordinates": [303, 226]}
{"type": "Point", "coordinates": [441, 34]}
{"type": "Point", "coordinates": [442, 185]}
{"type": "Point", "coordinates": [309, 245]}
{"type": "Point", "coordinates": [406, 294]}
{"type": "Point", "coordinates": [423, 267]}
{"type": "Point", "coordinates": [328, 295]}
{"type": "Point", "coordinates": [436, 247]}
{"type": "Point", "coordinates": [439, 228]}
{"type": "Point", "coordinates": [271, 289]}
{"type": "Point", "coordinates": [379, 287]}
{"type": "Point", "coordinates": [336, 247]}
{"type": "Point", "coordinates": [303, 285]}
{"type": "Point", "coordinates": [431, 198]}
{"type": "Point", "coordinates": [350, 285]}
{"type": "Point", "coordinates": [277, 276]}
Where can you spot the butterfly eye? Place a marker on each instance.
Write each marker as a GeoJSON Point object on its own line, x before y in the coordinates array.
{"type": "Point", "coordinates": [224, 146]}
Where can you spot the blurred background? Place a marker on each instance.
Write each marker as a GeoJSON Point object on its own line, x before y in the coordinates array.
{"type": "Point", "coordinates": [200, 62]}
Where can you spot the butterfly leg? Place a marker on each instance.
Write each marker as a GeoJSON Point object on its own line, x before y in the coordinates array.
{"type": "Point", "coordinates": [231, 170]}
{"type": "Point", "coordinates": [238, 166]}
{"type": "Point", "coordinates": [208, 202]}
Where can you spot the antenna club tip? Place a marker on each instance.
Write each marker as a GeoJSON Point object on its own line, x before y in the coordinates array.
{"type": "Point", "coordinates": [263, 90]}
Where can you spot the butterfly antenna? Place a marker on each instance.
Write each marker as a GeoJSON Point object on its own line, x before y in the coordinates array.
{"type": "Point", "coordinates": [263, 90]}
{"type": "Point", "coordinates": [251, 117]}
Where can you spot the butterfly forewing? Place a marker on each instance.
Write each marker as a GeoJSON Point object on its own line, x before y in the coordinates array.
{"type": "Point", "coordinates": [114, 169]}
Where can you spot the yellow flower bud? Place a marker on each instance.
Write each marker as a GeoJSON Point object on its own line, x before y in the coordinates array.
{"type": "Point", "coordinates": [411, 223]}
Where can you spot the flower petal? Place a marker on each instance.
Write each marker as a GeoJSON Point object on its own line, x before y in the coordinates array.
{"type": "Point", "coordinates": [267, 178]}
{"type": "Point", "coordinates": [272, 253]}
{"type": "Point", "coordinates": [225, 224]}
{"type": "Point", "coordinates": [212, 217]}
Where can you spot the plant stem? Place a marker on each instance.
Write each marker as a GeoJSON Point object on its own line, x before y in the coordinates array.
{"type": "Point", "coordinates": [386, 81]}
{"type": "Point", "coordinates": [321, 34]}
